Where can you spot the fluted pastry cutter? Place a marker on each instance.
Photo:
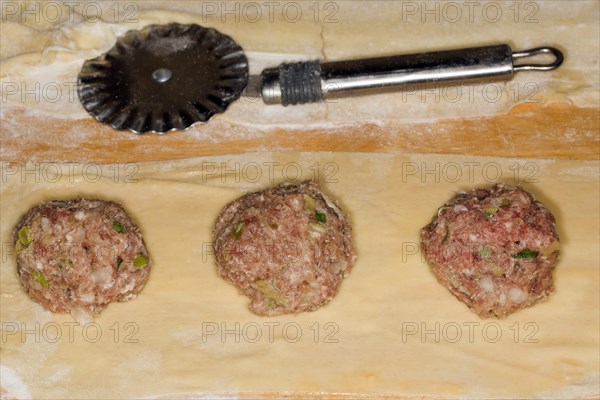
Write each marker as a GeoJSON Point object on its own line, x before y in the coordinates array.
{"type": "Point", "coordinates": [168, 77]}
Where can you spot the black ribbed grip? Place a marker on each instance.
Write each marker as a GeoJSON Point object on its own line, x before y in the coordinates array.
{"type": "Point", "coordinates": [300, 83]}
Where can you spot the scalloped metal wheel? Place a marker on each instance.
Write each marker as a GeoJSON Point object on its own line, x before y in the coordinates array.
{"type": "Point", "coordinates": [163, 77]}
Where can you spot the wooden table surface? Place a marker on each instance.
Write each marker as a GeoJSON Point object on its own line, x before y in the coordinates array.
{"type": "Point", "coordinates": [528, 131]}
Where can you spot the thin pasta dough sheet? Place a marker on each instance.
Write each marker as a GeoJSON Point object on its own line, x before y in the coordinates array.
{"type": "Point", "coordinates": [392, 329]}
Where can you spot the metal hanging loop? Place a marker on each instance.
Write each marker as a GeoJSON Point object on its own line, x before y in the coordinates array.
{"type": "Point", "coordinates": [558, 59]}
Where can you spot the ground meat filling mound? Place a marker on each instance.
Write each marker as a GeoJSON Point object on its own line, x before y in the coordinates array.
{"type": "Point", "coordinates": [287, 248]}
{"type": "Point", "coordinates": [79, 255]}
{"type": "Point", "coordinates": [493, 248]}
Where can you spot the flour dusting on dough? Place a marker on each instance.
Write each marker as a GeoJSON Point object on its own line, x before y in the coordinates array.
{"type": "Point", "coordinates": [13, 383]}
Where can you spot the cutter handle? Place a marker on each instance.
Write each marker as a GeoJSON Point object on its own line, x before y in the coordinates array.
{"type": "Point", "coordinates": [313, 81]}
